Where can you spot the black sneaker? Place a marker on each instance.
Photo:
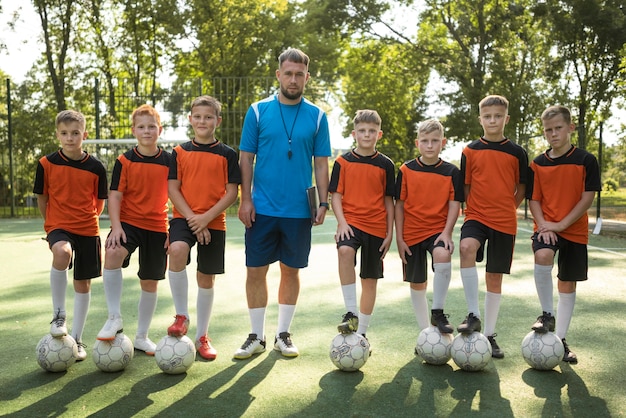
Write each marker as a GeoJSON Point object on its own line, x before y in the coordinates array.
{"type": "Point", "coordinates": [349, 323]}
{"type": "Point", "coordinates": [471, 324]}
{"type": "Point", "coordinates": [440, 320]}
{"type": "Point", "coordinates": [568, 356]}
{"type": "Point", "coordinates": [365, 336]}
{"type": "Point", "coordinates": [545, 323]}
{"type": "Point", "coordinates": [496, 351]}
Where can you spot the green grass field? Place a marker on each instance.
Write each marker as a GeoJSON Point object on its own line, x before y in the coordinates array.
{"type": "Point", "coordinates": [394, 382]}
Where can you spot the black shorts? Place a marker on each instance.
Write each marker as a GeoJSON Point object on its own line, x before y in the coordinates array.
{"type": "Point", "coordinates": [499, 249]}
{"type": "Point", "coordinates": [573, 262]}
{"type": "Point", "coordinates": [415, 270]}
{"type": "Point", "coordinates": [86, 257]}
{"type": "Point", "coordinates": [152, 251]}
{"type": "Point", "coordinates": [371, 261]}
{"type": "Point", "coordinates": [272, 238]}
{"type": "Point", "coordinates": [210, 258]}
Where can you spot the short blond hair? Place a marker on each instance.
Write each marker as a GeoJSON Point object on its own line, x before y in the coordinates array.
{"type": "Point", "coordinates": [430, 125]}
{"type": "Point", "coordinates": [66, 116]}
{"type": "Point", "coordinates": [494, 100]}
{"type": "Point", "coordinates": [209, 101]}
{"type": "Point", "coordinates": [557, 110]}
{"type": "Point", "coordinates": [367, 116]}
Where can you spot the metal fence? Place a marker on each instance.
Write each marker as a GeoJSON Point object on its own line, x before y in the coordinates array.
{"type": "Point", "coordinates": [114, 102]}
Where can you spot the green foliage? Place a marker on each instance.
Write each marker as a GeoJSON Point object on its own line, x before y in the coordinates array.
{"type": "Point", "coordinates": [610, 185]}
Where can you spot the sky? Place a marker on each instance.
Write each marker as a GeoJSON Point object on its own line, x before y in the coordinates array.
{"type": "Point", "coordinates": [23, 50]}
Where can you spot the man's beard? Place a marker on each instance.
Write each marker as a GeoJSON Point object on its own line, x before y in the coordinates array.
{"type": "Point", "coordinates": [290, 96]}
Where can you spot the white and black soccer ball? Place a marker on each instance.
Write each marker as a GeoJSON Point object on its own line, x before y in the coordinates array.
{"type": "Point", "coordinates": [175, 355]}
{"type": "Point", "coordinates": [542, 351]}
{"type": "Point", "coordinates": [349, 352]}
{"type": "Point", "coordinates": [433, 346]}
{"type": "Point", "coordinates": [114, 355]}
{"type": "Point", "coordinates": [471, 352]}
{"type": "Point", "coordinates": [56, 354]}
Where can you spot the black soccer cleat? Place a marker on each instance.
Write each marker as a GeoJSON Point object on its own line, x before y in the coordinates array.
{"type": "Point", "coordinates": [470, 324]}
{"type": "Point", "coordinates": [569, 356]}
{"type": "Point", "coordinates": [440, 320]}
{"type": "Point", "coordinates": [496, 351]}
{"type": "Point", "coordinates": [545, 323]}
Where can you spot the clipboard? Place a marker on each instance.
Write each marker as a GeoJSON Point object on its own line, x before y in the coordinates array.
{"type": "Point", "coordinates": [311, 195]}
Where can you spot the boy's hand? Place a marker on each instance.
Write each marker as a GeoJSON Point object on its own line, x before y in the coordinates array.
{"type": "Point", "coordinates": [203, 237]}
{"type": "Point", "coordinates": [344, 231]}
{"type": "Point", "coordinates": [547, 237]}
{"type": "Point", "coordinates": [197, 223]}
{"type": "Point", "coordinates": [403, 250]}
{"type": "Point", "coordinates": [115, 238]}
{"type": "Point", "coordinates": [385, 247]}
{"type": "Point", "coordinates": [447, 242]}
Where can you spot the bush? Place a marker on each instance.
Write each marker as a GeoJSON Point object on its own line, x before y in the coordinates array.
{"type": "Point", "coordinates": [610, 185]}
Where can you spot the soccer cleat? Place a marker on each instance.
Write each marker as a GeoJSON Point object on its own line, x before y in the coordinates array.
{"type": "Point", "coordinates": [253, 345]}
{"type": "Point", "coordinates": [568, 356]}
{"type": "Point", "coordinates": [469, 325]}
{"type": "Point", "coordinates": [440, 320]}
{"type": "Point", "coordinates": [545, 323]}
{"type": "Point", "coordinates": [179, 327]}
{"type": "Point", "coordinates": [368, 341]}
{"type": "Point", "coordinates": [205, 349]}
{"type": "Point", "coordinates": [283, 344]}
{"type": "Point", "coordinates": [146, 345]}
{"type": "Point", "coordinates": [57, 326]}
{"type": "Point", "coordinates": [496, 351]}
{"type": "Point", "coordinates": [349, 324]}
{"type": "Point", "coordinates": [111, 328]}
{"type": "Point", "coordinates": [82, 352]}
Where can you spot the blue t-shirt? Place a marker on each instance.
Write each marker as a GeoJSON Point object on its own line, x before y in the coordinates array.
{"type": "Point", "coordinates": [279, 183]}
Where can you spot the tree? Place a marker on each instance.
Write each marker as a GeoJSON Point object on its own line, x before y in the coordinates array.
{"type": "Point", "coordinates": [387, 78]}
{"type": "Point", "coordinates": [589, 37]}
{"type": "Point", "coordinates": [487, 47]}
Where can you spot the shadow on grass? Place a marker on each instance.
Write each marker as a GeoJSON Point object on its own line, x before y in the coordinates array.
{"type": "Point", "coordinates": [548, 386]}
{"type": "Point", "coordinates": [207, 398]}
{"type": "Point", "coordinates": [485, 386]}
{"type": "Point", "coordinates": [57, 403]}
{"type": "Point", "coordinates": [138, 398]}
{"type": "Point", "coordinates": [336, 391]}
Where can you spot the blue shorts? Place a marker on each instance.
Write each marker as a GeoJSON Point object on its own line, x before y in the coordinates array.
{"type": "Point", "coordinates": [573, 262]}
{"type": "Point", "coordinates": [152, 251]}
{"type": "Point", "coordinates": [271, 239]}
{"type": "Point", "coordinates": [86, 257]}
{"type": "Point", "coordinates": [371, 261]}
{"type": "Point", "coordinates": [499, 250]}
{"type": "Point", "coordinates": [210, 257]}
{"type": "Point", "coordinates": [415, 270]}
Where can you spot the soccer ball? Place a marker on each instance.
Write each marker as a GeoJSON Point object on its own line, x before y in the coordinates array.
{"type": "Point", "coordinates": [349, 352]}
{"type": "Point", "coordinates": [542, 351]}
{"type": "Point", "coordinates": [175, 355]}
{"type": "Point", "coordinates": [471, 352]}
{"type": "Point", "coordinates": [114, 355]}
{"type": "Point", "coordinates": [433, 346]}
{"type": "Point", "coordinates": [56, 354]}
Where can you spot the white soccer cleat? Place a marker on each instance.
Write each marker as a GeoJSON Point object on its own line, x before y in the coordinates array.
{"type": "Point", "coordinates": [146, 345]}
{"type": "Point", "coordinates": [113, 326]}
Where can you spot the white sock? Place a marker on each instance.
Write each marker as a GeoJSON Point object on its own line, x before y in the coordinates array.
{"type": "Point", "coordinates": [492, 308]}
{"type": "Point", "coordinates": [543, 283]}
{"type": "Point", "coordinates": [257, 321]}
{"type": "Point", "coordinates": [81, 308]}
{"type": "Point", "coordinates": [112, 280]}
{"type": "Point", "coordinates": [146, 307]}
{"type": "Point", "coordinates": [179, 285]}
{"type": "Point", "coordinates": [441, 283]}
{"type": "Point", "coordinates": [364, 323]}
{"type": "Point", "coordinates": [564, 312]}
{"type": "Point", "coordinates": [58, 287]}
{"type": "Point", "coordinates": [420, 307]}
{"type": "Point", "coordinates": [204, 307]}
{"type": "Point", "coordinates": [349, 297]}
{"type": "Point", "coordinates": [469, 277]}
{"type": "Point", "coordinates": [285, 316]}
